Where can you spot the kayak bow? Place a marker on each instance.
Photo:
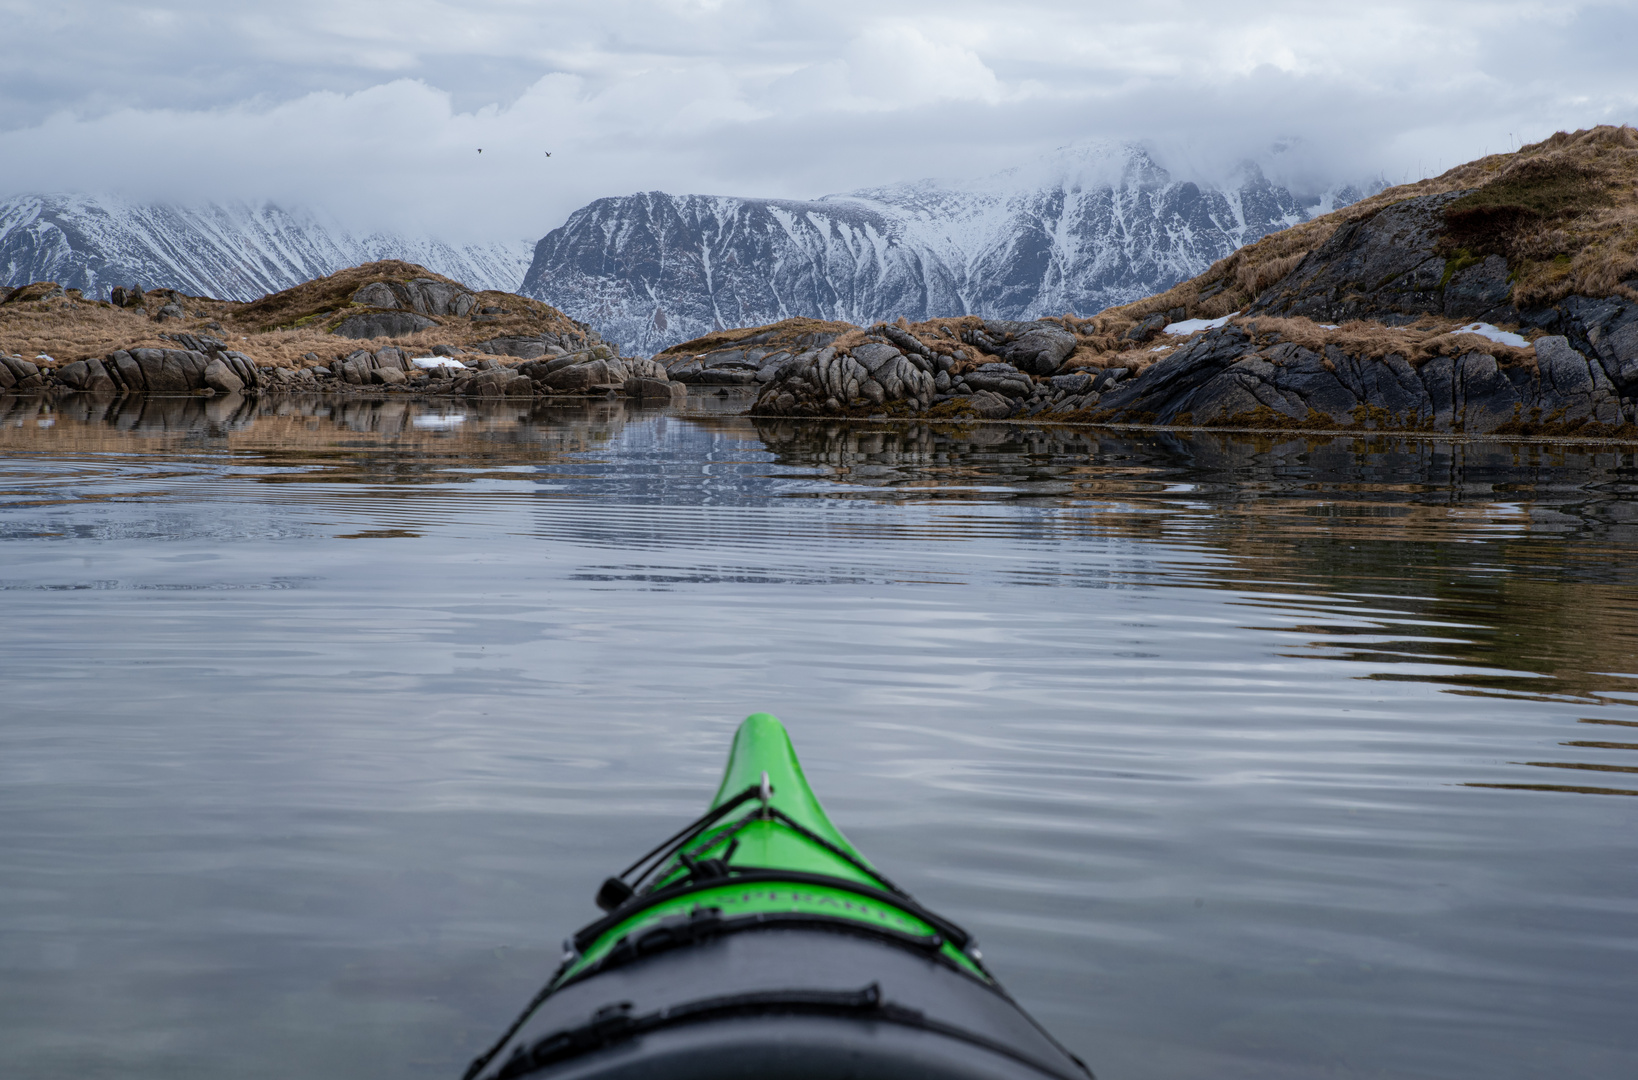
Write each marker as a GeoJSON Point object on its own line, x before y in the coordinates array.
{"type": "Point", "coordinates": [758, 941]}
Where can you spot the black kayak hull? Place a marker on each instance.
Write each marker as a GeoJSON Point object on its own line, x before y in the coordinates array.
{"type": "Point", "coordinates": [783, 1002]}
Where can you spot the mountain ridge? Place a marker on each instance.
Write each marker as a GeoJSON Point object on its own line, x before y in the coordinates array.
{"type": "Point", "coordinates": [1083, 229]}
{"type": "Point", "coordinates": [227, 250]}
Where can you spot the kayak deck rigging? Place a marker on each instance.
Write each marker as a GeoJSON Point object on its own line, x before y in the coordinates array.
{"type": "Point", "coordinates": [763, 857]}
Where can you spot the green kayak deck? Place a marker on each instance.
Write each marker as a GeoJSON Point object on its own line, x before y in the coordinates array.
{"type": "Point", "coordinates": [757, 943]}
{"type": "Point", "coordinates": [771, 851]}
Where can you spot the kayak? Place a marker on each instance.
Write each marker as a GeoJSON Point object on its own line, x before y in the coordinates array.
{"type": "Point", "coordinates": [758, 942]}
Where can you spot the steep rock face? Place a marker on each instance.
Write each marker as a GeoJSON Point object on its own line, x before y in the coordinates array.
{"type": "Point", "coordinates": [227, 250]}
{"type": "Point", "coordinates": [1389, 268]}
{"type": "Point", "coordinates": [1080, 231]}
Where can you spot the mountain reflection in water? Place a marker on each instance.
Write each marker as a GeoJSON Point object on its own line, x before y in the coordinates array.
{"type": "Point", "coordinates": [1244, 756]}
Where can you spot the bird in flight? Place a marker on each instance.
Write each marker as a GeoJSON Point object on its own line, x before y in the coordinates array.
{"type": "Point", "coordinates": [480, 149]}
{"type": "Point", "coordinates": [548, 153]}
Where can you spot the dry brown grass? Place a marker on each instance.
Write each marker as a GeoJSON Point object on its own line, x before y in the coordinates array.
{"type": "Point", "coordinates": [786, 332]}
{"type": "Point", "coordinates": [277, 330]}
{"type": "Point", "coordinates": [1563, 211]}
{"type": "Point", "coordinates": [1417, 343]}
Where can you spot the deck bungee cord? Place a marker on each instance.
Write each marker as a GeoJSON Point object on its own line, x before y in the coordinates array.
{"type": "Point", "coordinates": [761, 944]}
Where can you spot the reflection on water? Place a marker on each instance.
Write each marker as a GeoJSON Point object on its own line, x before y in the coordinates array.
{"type": "Point", "coordinates": [1244, 756]}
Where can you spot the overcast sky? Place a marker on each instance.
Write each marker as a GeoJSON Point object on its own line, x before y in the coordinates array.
{"type": "Point", "coordinates": [375, 110]}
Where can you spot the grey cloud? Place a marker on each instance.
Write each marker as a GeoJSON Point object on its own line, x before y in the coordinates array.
{"type": "Point", "coordinates": [375, 110]}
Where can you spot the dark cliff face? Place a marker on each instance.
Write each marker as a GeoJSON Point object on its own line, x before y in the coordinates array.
{"type": "Point", "coordinates": [1394, 268]}
{"type": "Point", "coordinates": [651, 270]}
{"type": "Point", "coordinates": [1579, 374]}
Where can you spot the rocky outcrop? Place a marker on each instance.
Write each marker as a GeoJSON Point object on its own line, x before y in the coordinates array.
{"type": "Point", "coordinates": [404, 308]}
{"type": "Point", "coordinates": [426, 296]}
{"type": "Point", "coordinates": [207, 366]}
{"type": "Point", "coordinates": [1394, 267]}
{"type": "Point", "coordinates": [1007, 370]}
{"type": "Point", "coordinates": [374, 324]}
{"type": "Point", "coordinates": [536, 346]}
{"type": "Point", "coordinates": [1224, 378]}
{"type": "Point", "coordinates": [747, 361]}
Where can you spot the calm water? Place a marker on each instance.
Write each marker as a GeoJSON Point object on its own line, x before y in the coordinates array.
{"type": "Point", "coordinates": [1242, 757]}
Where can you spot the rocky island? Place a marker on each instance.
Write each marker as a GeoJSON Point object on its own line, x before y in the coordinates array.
{"type": "Point", "coordinates": [1498, 298]}
{"type": "Point", "coordinates": [380, 328]}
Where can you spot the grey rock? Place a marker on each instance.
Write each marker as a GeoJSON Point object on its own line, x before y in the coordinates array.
{"type": "Point", "coordinates": [1002, 379]}
{"type": "Point", "coordinates": [593, 375]}
{"type": "Point", "coordinates": [1389, 389]}
{"type": "Point", "coordinates": [387, 376]}
{"type": "Point", "coordinates": [383, 324]}
{"type": "Point", "coordinates": [162, 373]}
{"type": "Point", "coordinates": [199, 343]}
{"type": "Point", "coordinates": [1481, 291]}
{"type": "Point", "coordinates": [20, 368]}
{"type": "Point", "coordinates": [376, 294]}
{"type": "Point", "coordinates": [1078, 382]}
{"type": "Point", "coordinates": [907, 342]}
{"type": "Point", "coordinates": [1384, 264]}
{"type": "Point", "coordinates": [98, 381]}
{"type": "Point", "coordinates": [524, 348]}
{"type": "Point", "coordinates": [1573, 384]}
{"type": "Point", "coordinates": [1147, 329]}
{"type": "Point", "coordinates": [990, 405]}
{"type": "Point", "coordinates": [1040, 349]}
{"type": "Point", "coordinates": [75, 375]}
{"type": "Point", "coordinates": [170, 312]}
{"type": "Point", "coordinates": [222, 378]}
{"type": "Point", "coordinates": [129, 371]}
{"type": "Point", "coordinates": [424, 296]}
{"type": "Point", "coordinates": [873, 355]}
{"type": "Point", "coordinates": [651, 389]}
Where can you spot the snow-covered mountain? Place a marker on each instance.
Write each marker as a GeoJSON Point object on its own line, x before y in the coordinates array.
{"type": "Point", "coordinates": [1078, 230]}
{"type": "Point", "coordinates": [232, 251]}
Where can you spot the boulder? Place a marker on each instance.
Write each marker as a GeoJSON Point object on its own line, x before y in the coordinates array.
{"type": "Point", "coordinates": [425, 296]}
{"type": "Point", "coordinates": [588, 377]}
{"type": "Point", "coordinates": [990, 405]}
{"type": "Point", "coordinates": [649, 389]}
{"type": "Point", "coordinates": [387, 376]}
{"type": "Point", "coordinates": [1578, 386]}
{"type": "Point", "coordinates": [382, 324]}
{"type": "Point", "coordinates": [1075, 383]}
{"type": "Point", "coordinates": [1002, 379]}
{"type": "Point", "coordinates": [221, 377]}
{"type": "Point", "coordinates": [164, 370]}
{"type": "Point", "coordinates": [74, 375]}
{"type": "Point", "coordinates": [128, 371]}
{"type": "Point", "coordinates": [1041, 349]}
{"type": "Point", "coordinates": [524, 348]}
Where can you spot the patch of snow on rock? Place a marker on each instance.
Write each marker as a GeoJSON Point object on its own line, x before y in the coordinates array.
{"type": "Point", "coordinates": [1499, 336]}
{"type": "Point", "coordinates": [1194, 326]}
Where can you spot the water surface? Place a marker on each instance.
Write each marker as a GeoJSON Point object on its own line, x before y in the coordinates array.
{"type": "Point", "coordinates": [1243, 757]}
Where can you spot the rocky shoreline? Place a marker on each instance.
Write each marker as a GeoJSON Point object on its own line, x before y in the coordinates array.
{"type": "Point", "coordinates": [441, 339]}
{"type": "Point", "coordinates": [1498, 299]}
{"type": "Point", "coordinates": [1361, 334]}
{"type": "Point", "coordinates": [208, 367]}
